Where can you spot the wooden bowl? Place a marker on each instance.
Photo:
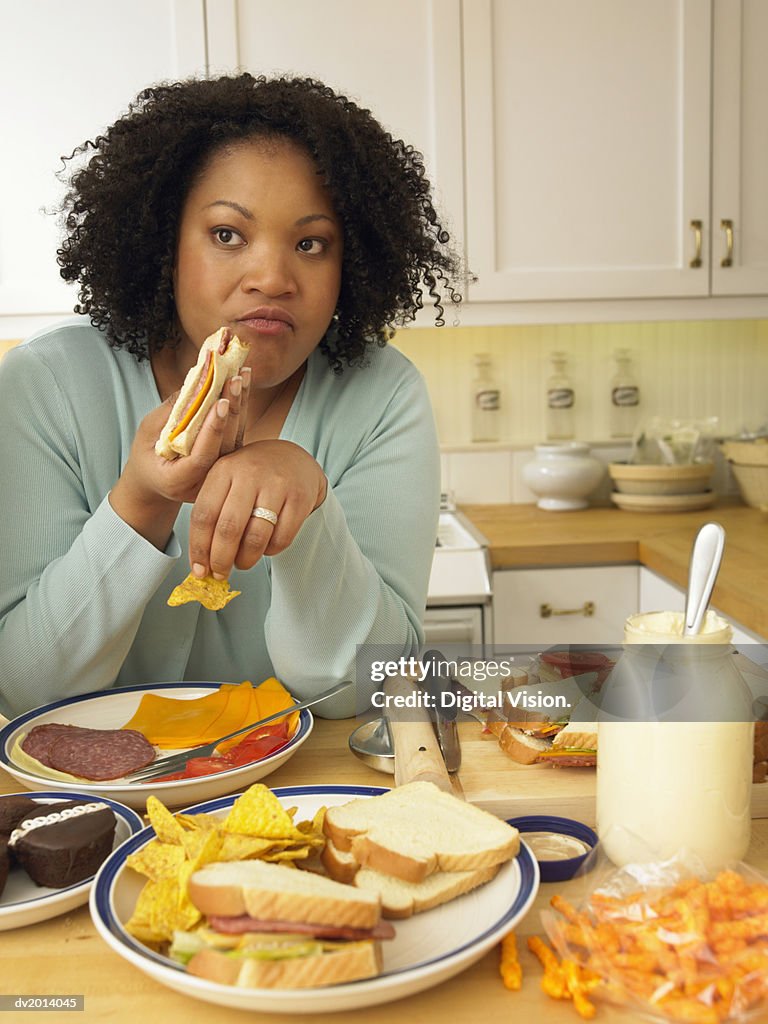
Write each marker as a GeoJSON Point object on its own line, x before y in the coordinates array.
{"type": "Point", "coordinates": [661, 480]}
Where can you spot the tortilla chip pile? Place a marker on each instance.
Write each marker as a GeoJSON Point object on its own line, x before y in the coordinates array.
{"type": "Point", "coordinates": [212, 594]}
{"type": "Point", "coordinates": [173, 724]}
{"type": "Point", "coordinates": [257, 826]}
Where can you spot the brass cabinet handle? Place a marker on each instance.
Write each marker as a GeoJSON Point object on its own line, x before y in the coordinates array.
{"type": "Point", "coordinates": [727, 226]}
{"type": "Point", "coordinates": [587, 609]}
{"type": "Point", "coordinates": [697, 226]}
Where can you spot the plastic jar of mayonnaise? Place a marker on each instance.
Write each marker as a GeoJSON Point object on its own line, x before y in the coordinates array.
{"type": "Point", "coordinates": [675, 746]}
{"type": "Point", "coordinates": [667, 628]}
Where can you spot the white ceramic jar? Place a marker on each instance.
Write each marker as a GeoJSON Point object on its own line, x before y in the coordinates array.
{"type": "Point", "coordinates": [675, 746]}
{"type": "Point", "coordinates": [562, 475]}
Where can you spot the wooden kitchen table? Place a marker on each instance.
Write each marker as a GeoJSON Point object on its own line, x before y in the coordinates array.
{"type": "Point", "coordinates": [65, 956]}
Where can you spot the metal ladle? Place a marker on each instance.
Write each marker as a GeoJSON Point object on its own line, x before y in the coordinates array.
{"type": "Point", "coordinates": [706, 556]}
{"type": "Point", "coordinates": [372, 743]}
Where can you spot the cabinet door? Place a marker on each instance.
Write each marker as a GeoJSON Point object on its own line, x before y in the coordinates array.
{"type": "Point", "coordinates": [400, 59]}
{"type": "Point", "coordinates": [539, 608]}
{"type": "Point", "coordinates": [587, 147]}
{"type": "Point", "coordinates": [658, 594]}
{"type": "Point", "coordinates": [67, 70]}
{"type": "Point", "coordinates": [740, 148]}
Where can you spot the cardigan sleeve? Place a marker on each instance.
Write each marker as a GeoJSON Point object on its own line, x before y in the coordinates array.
{"type": "Point", "coordinates": [357, 572]}
{"type": "Point", "coordinates": [74, 580]}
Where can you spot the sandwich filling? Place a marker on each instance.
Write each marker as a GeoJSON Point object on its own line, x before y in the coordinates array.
{"type": "Point", "coordinates": [197, 398]}
{"type": "Point", "coordinates": [251, 945]}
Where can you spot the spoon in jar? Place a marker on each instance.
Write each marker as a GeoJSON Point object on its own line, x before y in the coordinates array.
{"type": "Point", "coordinates": [706, 556]}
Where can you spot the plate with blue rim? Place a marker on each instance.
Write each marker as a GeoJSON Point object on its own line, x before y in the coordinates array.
{"type": "Point", "coordinates": [111, 709]}
{"type": "Point", "coordinates": [428, 948]}
{"type": "Point", "coordinates": [22, 902]}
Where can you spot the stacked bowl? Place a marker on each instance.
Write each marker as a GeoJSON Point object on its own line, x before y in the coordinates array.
{"type": "Point", "coordinates": [662, 488]}
{"type": "Point", "coordinates": [749, 462]}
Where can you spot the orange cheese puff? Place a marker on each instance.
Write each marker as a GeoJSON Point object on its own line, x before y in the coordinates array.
{"type": "Point", "coordinates": [509, 966]}
{"type": "Point", "coordinates": [553, 980]}
{"type": "Point", "coordinates": [578, 989]}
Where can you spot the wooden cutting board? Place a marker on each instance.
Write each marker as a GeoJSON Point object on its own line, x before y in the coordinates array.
{"type": "Point", "coordinates": [495, 782]}
{"type": "Point", "coordinates": [488, 777]}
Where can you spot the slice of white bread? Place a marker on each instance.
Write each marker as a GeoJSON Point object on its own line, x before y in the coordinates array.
{"type": "Point", "coordinates": [417, 829]}
{"type": "Point", "coordinates": [399, 898]}
{"type": "Point", "coordinates": [574, 735]}
{"type": "Point", "coordinates": [274, 892]}
{"type": "Point", "coordinates": [341, 865]}
{"type": "Point", "coordinates": [353, 961]}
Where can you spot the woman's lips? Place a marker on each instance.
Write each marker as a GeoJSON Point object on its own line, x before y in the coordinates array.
{"type": "Point", "coordinates": [266, 325]}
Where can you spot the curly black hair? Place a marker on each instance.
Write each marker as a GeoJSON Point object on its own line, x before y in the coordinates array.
{"type": "Point", "coordinates": [122, 208]}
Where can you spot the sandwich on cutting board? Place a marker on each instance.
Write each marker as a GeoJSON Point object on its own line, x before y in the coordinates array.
{"type": "Point", "coordinates": [221, 357]}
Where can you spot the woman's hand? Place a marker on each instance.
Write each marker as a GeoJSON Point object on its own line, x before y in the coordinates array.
{"type": "Point", "coordinates": [151, 488]}
{"type": "Point", "coordinates": [273, 474]}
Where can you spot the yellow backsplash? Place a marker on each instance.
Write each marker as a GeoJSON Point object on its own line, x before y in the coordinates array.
{"type": "Point", "coordinates": [689, 369]}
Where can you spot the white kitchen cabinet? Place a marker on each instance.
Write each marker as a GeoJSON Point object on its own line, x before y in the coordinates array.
{"type": "Point", "coordinates": [589, 148]}
{"type": "Point", "coordinates": [67, 70]}
{"type": "Point", "coordinates": [658, 594]}
{"type": "Point", "coordinates": [539, 608]}
{"type": "Point", "coordinates": [740, 150]}
{"type": "Point", "coordinates": [400, 59]}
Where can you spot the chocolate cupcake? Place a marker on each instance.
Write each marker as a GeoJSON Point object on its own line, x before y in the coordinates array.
{"type": "Point", "coordinates": [64, 843]}
{"type": "Point", "coordinates": [4, 865]}
{"type": "Point", "coordinates": [13, 809]}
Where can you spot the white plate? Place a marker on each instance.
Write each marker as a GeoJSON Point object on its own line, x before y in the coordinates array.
{"type": "Point", "coordinates": [22, 902]}
{"type": "Point", "coordinates": [111, 709]}
{"type": "Point", "coordinates": [429, 948]}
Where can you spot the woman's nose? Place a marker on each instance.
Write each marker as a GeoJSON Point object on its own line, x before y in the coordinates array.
{"type": "Point", "coordinates": [268, 270]}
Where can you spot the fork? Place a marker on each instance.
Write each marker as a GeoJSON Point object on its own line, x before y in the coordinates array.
{"type": "Point", "coordinates": [178, 762]}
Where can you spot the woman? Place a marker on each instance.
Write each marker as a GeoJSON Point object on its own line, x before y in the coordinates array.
{"type": "Point", "coordinates": [286, 213]}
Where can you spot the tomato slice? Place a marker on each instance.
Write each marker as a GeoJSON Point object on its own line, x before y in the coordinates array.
{"type": "Point", "coordinates": [255, 745]}
{"type": "Point", "coordinates": [253, 749]}
{"type": "Point", "coordinates": [196, 767]}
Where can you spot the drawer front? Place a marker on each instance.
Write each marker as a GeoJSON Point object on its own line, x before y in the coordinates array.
{"type": "Point", "coordinates": [542, 607]}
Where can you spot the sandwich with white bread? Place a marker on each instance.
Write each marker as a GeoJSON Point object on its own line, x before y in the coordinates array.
{"type": "Point", "coordinates": [221, 357]}
{"type": "Point", "coordinates": [270, 926]}
{"type": "Point", "coordinates": [415, 847]}
{"type": "Point", "coordinates": [575, 746]}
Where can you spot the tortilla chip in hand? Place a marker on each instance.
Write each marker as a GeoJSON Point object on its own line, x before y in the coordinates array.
{"type": "Point", "coordinates": [212, 594]}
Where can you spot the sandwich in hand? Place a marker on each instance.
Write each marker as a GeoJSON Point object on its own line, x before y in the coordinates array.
{"type": "Point", "coordinates": [221, 357]}
{"type": "Point", "coordinates": [270, 926]}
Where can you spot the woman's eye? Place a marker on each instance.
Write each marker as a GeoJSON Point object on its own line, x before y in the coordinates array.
{"type": "Point", "coordinates": [227, 236]}
{"type": "Point", "coordinates": [313, 246]}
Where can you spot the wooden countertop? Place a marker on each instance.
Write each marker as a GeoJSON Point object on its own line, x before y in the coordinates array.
{"type": "Point", "coordinates": [65, 956]}
{"type": "Point", "coordinates": [524, 535]}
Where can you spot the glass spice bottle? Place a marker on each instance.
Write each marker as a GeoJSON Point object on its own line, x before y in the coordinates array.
{"type": "Point", "coordinates": [486, 400]}
{"type": "Point", "coordinates": [560, 400]}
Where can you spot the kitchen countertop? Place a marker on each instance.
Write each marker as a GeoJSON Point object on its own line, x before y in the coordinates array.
{"type": "Point", "coordinates": [525, 536]}
{"type": "Point", "coordinates": [65, 956]}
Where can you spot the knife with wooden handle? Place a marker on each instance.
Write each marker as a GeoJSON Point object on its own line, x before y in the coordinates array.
{"type": "Point", "coordinates": [445, 712]}
{"type": "Point", "coordinates": [417, 755]}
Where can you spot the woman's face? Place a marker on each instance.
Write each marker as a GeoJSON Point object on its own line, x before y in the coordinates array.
{"type": "Point", "coordinates": [260, 250]}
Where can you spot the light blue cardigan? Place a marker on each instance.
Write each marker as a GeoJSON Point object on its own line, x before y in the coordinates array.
{"type": "Point", "coordinates": [83, 597]}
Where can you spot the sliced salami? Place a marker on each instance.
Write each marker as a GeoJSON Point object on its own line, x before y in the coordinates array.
{"type": "Point", "coordinates": [100, 754]}
{"type": "Point", "coordinates": [243, 923]}
{"type": "Point", "coordinates": [39, 740]}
